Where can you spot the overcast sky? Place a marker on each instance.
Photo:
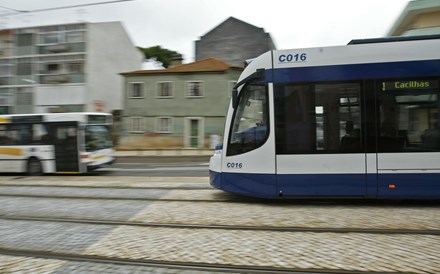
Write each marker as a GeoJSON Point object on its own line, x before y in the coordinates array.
{"type": "Point", "coordinates": [176, 24]}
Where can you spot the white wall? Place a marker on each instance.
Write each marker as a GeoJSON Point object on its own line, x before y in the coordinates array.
{"type": "Point", "coordinates": [109, 52]}
{"type": "Point", "coordinates": [58, 95]}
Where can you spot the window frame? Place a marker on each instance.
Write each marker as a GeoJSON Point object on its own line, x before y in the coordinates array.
{"type": "Point", "coordinates": [401, 141]}
{"type": "Point", "coordinates": [231, 85]}
{"type": "Point", "coordinates": [233, 150]}
{"type": "Point", "coordinates": [131, 91]}
{"type": "Point", "coordinates": [159, 90]}
{"type": "Point", "coordinates": [158, 124]}
{"type": "Point", "coordinates": [140, 128]}
{"type": "Point", "coordinates": [348, 143]}
{"type": "Point", "coordinates": [188, 85]}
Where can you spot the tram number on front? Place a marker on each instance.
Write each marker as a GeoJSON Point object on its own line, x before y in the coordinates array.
{"type": "Point", "coordinates": [234, 165]}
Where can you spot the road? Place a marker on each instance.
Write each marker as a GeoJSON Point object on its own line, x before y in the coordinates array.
{"type": "Point", "coordinates": [100, 224]}
{"type": "Point", "coordinates": [188, 166]}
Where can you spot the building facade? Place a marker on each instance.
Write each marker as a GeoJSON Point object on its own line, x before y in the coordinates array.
{"type": "Point", "coordinates": [65, 68]}
{"type": "Point", "coordinates": [179, 107]}
{"type": "Point", "coordinates": [420, 17]}
{"type": "Point", "coordinates": [234, 41]}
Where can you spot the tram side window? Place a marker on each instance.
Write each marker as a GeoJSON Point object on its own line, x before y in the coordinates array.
{"type": "Point", "coordinates": [250, 127]}
{"type": "Point", "coordinates": [322, 118]}
{"type": "Point", "coordinates": [409, 113]}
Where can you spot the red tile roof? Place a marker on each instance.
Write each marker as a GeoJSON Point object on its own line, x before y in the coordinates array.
{"type": "Point", "coordinates": [205, 65]}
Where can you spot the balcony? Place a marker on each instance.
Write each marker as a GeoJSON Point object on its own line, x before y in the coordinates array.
{"type": "Point", "coordinates": [56, 79]}
{"type": "Point", "coordinates": [58, 48]}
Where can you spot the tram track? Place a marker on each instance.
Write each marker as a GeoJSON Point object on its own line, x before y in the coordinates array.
{"type": "Point", "coordinates": [344, 230]}
{"type": "Point", "coordinates": [177, 265]}
{"type": "Point", "coordinates": [120, 198]}
{"type": "Point", "coordinates": [111, 187]}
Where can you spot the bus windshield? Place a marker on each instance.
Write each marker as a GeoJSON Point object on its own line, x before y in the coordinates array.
{"type": "Point", "coordinates": [98, 137]}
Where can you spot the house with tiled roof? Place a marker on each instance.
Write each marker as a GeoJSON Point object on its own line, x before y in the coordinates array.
{"type": "Point", "coordinates": [182, 106]}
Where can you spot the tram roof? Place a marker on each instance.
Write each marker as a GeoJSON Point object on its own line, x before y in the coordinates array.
{"type": "Point", "coordinates": [393, 39]}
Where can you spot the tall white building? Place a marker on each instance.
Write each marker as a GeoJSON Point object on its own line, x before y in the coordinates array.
{"type": "Point", "coordinates": [69, 68]}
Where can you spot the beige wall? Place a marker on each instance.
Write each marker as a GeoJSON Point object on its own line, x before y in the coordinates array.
{"type": "Point", "coordinates": [426, 20]}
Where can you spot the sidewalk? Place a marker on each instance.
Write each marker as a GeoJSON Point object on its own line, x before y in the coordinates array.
{"type": "Point", "coordinates": [164, 152]}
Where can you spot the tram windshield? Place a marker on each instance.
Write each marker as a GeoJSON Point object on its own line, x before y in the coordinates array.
{"type": "Point", "coordinates": [250, 126]}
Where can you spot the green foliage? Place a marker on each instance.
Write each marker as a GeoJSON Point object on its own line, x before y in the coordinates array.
{"type": "Point", "coordinates": [160, 54]}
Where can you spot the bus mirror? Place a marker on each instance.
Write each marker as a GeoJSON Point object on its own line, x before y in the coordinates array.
{"type": "Point", "coordinates": [234, 97]}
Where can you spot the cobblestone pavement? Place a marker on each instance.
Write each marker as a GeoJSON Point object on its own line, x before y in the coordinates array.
{"type": "Point", "coordinates": [404, 253]}
{"type": "Point", "coordinates": [15, 264]}
{"type": "Point", "coordinates": [363, 252]}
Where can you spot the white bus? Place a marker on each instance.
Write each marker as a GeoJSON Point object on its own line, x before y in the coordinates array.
{"type": "Point", "coordinates": [61, 143]}
{"type": "Point", "coordinates": [358, 121]}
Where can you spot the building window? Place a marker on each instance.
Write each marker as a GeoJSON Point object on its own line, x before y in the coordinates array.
{"type": "Point", "coordinates": [136, 90]}
{"type": "Point", "coordinates": [75, 37]}
{"type": "Point", "coordinates": [75, 67]}
{"type": "Point", "coordinates": [136, 124]}
{"type": "Point", "coordinates": [194, 89]}
{"type": "Point", "coordinates": [25, 39]}
{"type": "Point", "coordinates": [164, 89]}
{"type": "Point", "coordinates": [164, 125]}
{"type": "Point", "coordinates": [53, 68]}
{"type": "Point", "coordinates": [24, 96]}
{"type": "Point", "coordinates": [50, 38]}
{"type": "Point", "coordinates": [24, 66]}
{"type": "Point", "coordinates": [5, 68]}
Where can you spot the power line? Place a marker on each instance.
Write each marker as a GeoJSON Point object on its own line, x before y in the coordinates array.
{"type": "Point", "coordinates": [16, 12]}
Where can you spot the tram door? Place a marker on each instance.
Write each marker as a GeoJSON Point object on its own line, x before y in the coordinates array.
{"type": "Point", "coordinates": [66, 147]}
{"type": "Point", "coordinates": [408, 137]}
{"type": "Point", "coordinates": [320, 148]}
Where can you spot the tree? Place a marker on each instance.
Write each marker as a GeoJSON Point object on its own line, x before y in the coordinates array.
{"type": "Point", "coordinates": [160, 54]}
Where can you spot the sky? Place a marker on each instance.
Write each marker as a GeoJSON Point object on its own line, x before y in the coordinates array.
{"type": "Point", "coordinates": [177, 24]}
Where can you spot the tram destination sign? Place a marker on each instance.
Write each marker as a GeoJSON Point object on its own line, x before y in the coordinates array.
{"type": "Point", "coordinates": [408, 85]}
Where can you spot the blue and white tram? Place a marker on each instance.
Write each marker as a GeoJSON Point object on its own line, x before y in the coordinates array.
{"type": "Point", "coordinates": [358, 121]}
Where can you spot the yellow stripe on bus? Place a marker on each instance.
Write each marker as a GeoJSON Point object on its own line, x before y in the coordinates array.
{"type": "Point", "coordinates": [98, 157]}
{"type": "Point", "coordinates": [11, 151]}
{"type": "Point", "coordinates": [4, 120]}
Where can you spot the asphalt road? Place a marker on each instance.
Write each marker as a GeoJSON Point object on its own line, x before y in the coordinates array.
{"type": "Point", "coordinates": [164, 166]}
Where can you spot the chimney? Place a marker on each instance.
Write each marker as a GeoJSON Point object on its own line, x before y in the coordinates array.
{"type": "Point", "coordinates": [176, 60]}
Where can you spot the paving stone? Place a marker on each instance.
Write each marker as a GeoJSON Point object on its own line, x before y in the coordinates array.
{"type": "Point", "coordinates": [303, 250]}
{"type": "Point", "coordinates": [279, 249]}
{"type": "Point", "coordinates": [297, 215]}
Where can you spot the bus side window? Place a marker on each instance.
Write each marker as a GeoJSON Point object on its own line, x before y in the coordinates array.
{"type": "Point", "coordinates": [39, 134]}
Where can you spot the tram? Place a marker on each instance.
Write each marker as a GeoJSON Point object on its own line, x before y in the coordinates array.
{"type": "Point", "coordinates": [355, 121]}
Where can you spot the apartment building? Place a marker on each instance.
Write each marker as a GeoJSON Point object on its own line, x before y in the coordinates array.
{"type": "Point", "coordinates": [65, 68]}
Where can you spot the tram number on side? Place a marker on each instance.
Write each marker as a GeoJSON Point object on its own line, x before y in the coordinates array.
{"type": "Point", "coordinates": [234, 165]}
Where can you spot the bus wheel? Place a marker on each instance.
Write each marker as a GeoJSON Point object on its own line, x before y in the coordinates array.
{"type": "Point", "coordinates": [34, 167]}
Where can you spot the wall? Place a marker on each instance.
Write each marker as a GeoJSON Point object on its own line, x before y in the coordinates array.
{"type": "Point", "coordinates": [234, 42]}
{"type": "Point", "coordinates": [110, 52]}
{"type": "Point", "coordinates": [211, 108]}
